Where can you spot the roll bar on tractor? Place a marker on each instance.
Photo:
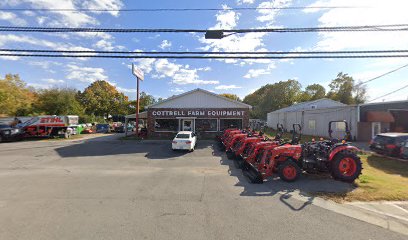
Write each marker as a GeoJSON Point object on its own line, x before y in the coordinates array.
{"type": "Point", "coordinates": [296, 133]}
{"type": "Point", "coordinates": [346, 130]}
{"type": "Point", "coordinates": [279, 131]}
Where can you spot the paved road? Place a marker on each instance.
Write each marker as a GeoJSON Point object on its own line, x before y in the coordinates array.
{"type": "Point", "coordinates": [127, 190]}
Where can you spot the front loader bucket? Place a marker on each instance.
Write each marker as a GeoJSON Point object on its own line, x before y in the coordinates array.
{"type": "Point", "coordinates": [252, 174]}
{"type": "Point", "coordinates": [230, 155]}
{"type": "Point", "coordinates": [239, 162]}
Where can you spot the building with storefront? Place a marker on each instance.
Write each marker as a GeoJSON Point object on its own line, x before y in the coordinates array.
{"type": "Point", "coordinates": [201, 111]}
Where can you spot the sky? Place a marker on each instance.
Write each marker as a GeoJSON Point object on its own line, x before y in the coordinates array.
{"type": "Point", "coordinates": [167, 77]}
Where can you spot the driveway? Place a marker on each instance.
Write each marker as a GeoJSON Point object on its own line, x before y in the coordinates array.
{"type": "Point", "coordinates": [109, 189]}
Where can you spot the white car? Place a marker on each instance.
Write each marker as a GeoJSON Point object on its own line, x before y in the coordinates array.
{"type": "Point", "coordinates": [185, 140]}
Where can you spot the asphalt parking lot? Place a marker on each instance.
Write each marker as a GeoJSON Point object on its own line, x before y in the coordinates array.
{"type": "Point", "coordinates": [103, 188]}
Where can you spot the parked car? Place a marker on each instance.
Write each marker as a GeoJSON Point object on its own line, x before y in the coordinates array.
{"type": "Point", "coordinates": [184, 140]}
{"type": "Point", "coordinates": [8, 133]}
{"type": "Point", "coordinates": [102, 128]}
{"type": "Point", "coordinates": [120, 129]}
{"type": "Point", "coordinates": [404, 150]}
{"type": "Point", "coordinates": [390, 144]}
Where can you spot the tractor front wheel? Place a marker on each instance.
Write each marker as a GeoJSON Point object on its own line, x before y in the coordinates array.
{"type": "Point", "coordinates": [346, 167]}
{"type": "Point", "coordinates": [289, 171]}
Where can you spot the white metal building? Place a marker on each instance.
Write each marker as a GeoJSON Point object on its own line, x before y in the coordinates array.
{"type": "Point", "coordinates": [314, 116]}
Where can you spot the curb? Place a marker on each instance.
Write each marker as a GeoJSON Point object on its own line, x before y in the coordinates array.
{"type": "Point", "coordinates": [390, 222]}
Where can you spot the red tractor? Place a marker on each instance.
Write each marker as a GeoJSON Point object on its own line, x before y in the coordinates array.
{"type": "Point", "coordinates": [254, 154]}
{"type": "Point", "coordinates": [226, 137]}
{"type": "Point", "coordinates": [335, 156]}
{"type": "Point", "coordinates": [242, 145]}
{"type": "Point", "coordinates": [252, 144]}
{"type": "Point", "coordinates": [233, 142]}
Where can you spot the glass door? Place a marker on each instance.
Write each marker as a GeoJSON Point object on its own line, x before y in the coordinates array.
{"type": "Point", "coordinates": [188, 125]}
{"type": "Point", "coordinates": [375, 128]}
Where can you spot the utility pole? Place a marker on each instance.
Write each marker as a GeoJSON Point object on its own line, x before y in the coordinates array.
{"type": "Point", "coordinates": [139, 77]}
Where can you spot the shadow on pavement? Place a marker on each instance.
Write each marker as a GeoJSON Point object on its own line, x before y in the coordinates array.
{"type": "Point", "coordinates": [151, 149]}
{"type": "Point", "coordinates": [388, 165]}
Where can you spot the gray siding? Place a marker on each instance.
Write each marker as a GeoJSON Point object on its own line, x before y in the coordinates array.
{"type": "Point", "coordinates": [322, 117]}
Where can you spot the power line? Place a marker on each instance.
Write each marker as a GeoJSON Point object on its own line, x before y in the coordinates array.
{"type": "Point", "coordinates": [362, 28]}
{"type": "Point", "coordinates": [176, 9]}
{"type": "Point", "coordinates": [206, 52]}
{"type": "Point", "coordinates": [399, 89]}
{"type": "Point", "coordinates": [200, 57]}
{"type": "Point", "coordinates": [382, 75]}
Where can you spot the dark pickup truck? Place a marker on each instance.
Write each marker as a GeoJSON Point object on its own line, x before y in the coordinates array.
{"type": "Point", "coordinates": [8, 133]}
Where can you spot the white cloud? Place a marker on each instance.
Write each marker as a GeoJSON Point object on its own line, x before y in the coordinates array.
{"type": "Point", "coordinates": [12, 18]}
{"type": "Point", "coordinates": [269, 15]}
{"type": "Point", "coordinates": [67, 18]}
{"type": "Point", "coordinates": [375, 13]}
{"type": "Point", "coordinates": [166, 68]}
{"type": "Point", "coordinates": [190, 76]}
{"type": "Point", "coordinates": [165, 44]}
{"type": "Point", "coordinates": [85, 74]}
{"type": "Point", "coordinates": [176, 90]}
{"type": "Point", "coordinates": [254, 73]}
{"type": "Point", "coordinates": [227, 87]}
{"type": "Point", "coordinates": [107, 45]}
{"type": "Point", "coordinates": [126, 90]}
{"type": "Point", "coordinates": [240, 2]}
{"type": "Point", "coordinates": [226, 19]}
{"type": "Point", "coordinates": [53, 81]}
{"type": "Point", "coordinates": [178, 73]}
{"type": "Point", "coordinates": [104, 4]}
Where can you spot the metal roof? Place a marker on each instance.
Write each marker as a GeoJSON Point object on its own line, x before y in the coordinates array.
{"type": "Point", "coordinates": [304, 105]}
{"type": "Point", "coordinates": [203, 91]}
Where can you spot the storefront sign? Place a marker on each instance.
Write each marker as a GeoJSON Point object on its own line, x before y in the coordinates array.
{"type": "Point", "coordinates": [199, 113]}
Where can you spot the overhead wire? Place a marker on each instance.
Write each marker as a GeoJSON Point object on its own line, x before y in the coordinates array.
{"type": "Point", "coordinates": [360, 28]}
{"type": "Point", "coordinates": [177, 9]}
{"type": "Point", "coordinates": [382, 75]}
{"type": "Point", "coordinates": [207, 52]}
{"type": "Point", "coordinates": [201, 57]}
{"type": "Point", "coordinates": [385, 95]}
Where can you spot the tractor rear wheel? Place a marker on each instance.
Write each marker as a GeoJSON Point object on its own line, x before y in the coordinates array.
{"type": "Point", "coordinates": [289, 171]}
{"type": "Point", "coordinates": [346, 167]}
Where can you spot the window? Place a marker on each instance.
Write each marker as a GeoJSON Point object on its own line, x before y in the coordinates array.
{"type": "Point", "coordinates": [166, 125]}
{"type": "Point", "coordinates": [206, 125]}
{"type": "Point", "coordinates": [314, 106]}
{"type": "Point", "coordinates": [183, 136]}
{"type": "Point", "coordinates": [312, 124]}
{"type": "Point", "coordinates": [230, 123]}
{"type": "Point", "coordinates": [340, 126]}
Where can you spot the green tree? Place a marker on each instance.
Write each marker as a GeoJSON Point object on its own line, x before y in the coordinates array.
{"type": "Point", "coordinates": [145, 100]}
{"type": "Point", "coordinates": [231, 96]}
{"type": "Point", "coordinates": [315, 91]}
{"type": "Point", "coordinates": [103, 99]}
{"type": "Point", "coordinates": [57, 101]}
{"type": "Point", "coordinates": [272, 97]}
{"type": "Point", "coordinates": [15, 97]}
{"type": "Point", "coordinates": [344, 89]}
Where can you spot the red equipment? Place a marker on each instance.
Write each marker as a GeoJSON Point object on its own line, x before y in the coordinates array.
{"type": "Point", "coordinates": [334, 156]}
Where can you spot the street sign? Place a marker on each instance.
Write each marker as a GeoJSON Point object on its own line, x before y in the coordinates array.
{"type": "Point", "coordinates": [137, 72]}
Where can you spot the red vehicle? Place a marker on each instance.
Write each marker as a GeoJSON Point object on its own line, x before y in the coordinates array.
{"type": "Point", "coordinates": [335, 156]}
{"type": "Point", "coordinates": [233, 141]}
{"type": "Point", "coordinates": [227, 137]}
{"type": "Point", "coordinates": [252, 148]}
{"type": "Point", "coordinates": [219, 138]}
{"type": "Point", "coordinates": [49, 126]}
{"type": "Point", "coordinates": [244, 145]}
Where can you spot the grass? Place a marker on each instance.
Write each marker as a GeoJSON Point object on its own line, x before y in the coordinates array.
{"type": "Point", "coordinates": [381, 179]}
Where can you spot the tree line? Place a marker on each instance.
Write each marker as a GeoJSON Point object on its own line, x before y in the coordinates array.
{"type": "Point", "coordinates": [282, 94]}
{"type": "Point", "coordinates": [101, 99]}
{"type": "Point", "coordinates": [94, 104]}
